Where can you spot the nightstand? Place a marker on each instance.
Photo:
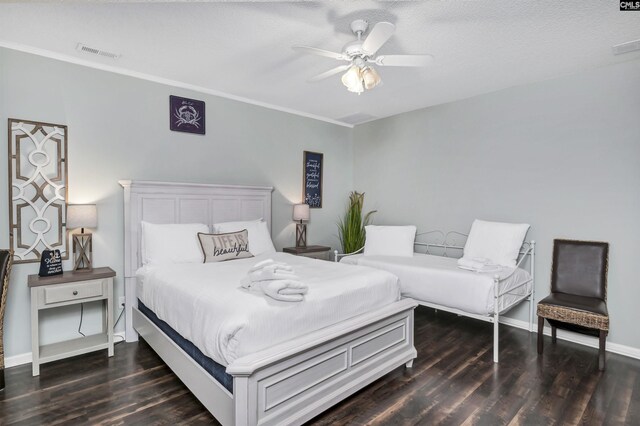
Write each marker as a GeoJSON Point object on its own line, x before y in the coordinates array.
{"type": "Point", "coordinates": [72, 287]}
{"type": "Point", "coordinates": [317, 252]}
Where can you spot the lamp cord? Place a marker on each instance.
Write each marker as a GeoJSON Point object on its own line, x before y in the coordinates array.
{"type": "Point", "coordinates": [81, 316]}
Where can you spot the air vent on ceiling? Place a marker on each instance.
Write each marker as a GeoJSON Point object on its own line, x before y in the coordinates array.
{"type": "Point", "coordinates": [357, 118]}
{"type": "Point", "coordinates": [95, 51]}
{"type": "Point", "coordinates": [630, 46]}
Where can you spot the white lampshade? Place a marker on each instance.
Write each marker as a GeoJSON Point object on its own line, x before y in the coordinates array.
{"type": "Point", "coordinates": [301, 212]}
{"type": "Point", "coordinates": [82, 216]}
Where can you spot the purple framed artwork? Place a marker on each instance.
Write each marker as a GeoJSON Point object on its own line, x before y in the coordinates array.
{"type": "Point", "coordinates": [186, 115]}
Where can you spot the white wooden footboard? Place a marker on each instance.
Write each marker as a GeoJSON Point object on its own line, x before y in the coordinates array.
{"type": "Point", "coordinates": [292, 382]}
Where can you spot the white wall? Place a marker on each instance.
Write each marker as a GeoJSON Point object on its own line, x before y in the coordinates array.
{"type": "Point", "coordinates": [118, 129]}
{"type": "Point", "coordinates": [562, 155]}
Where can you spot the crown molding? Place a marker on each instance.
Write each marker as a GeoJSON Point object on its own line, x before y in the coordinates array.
{"type": "Point", "coordinates": [161, 80]}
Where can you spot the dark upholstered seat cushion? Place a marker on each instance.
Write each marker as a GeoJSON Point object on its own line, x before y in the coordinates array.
{"type": "Point", "coordinates": [585, 311]}
{"type": "Point", "coordinates": [578, 303]}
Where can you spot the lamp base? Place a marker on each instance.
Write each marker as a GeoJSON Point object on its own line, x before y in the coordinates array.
{"type": "Point", "coordinates": [301, 235]}
{"type": "Point", "coordinates": [82, 252]}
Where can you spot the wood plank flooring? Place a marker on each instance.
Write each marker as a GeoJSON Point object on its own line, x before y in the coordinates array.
{"type": "Point", "coordinates": [453, 382]}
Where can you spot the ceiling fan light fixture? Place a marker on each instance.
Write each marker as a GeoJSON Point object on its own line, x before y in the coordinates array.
{"type": "Point", "coordinates": [352, 79]}
{"type": "Point", "coordinates": [358, 88]}
{"type": "Point", "coordinates": [370, 78]}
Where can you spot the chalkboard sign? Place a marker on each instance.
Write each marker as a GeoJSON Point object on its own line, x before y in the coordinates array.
{"type": "Point", "coordinates": [50, 263]}
{"type": "Point", "coordinates": [312, 171]}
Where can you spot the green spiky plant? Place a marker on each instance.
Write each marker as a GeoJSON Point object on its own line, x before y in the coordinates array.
{"type": "Point", "coordinates": [351, 226]}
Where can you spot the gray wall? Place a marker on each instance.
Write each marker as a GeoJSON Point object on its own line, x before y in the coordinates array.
{"type": "Point", "coordinates": [562, 155]}
{"type": "Point", "coordinates": [118, 129]}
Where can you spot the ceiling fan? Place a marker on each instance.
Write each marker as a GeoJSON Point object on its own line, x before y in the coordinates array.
{"type": "Point", "coordinates": [361, 56]}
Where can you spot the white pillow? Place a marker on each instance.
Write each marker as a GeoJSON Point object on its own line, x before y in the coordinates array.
{"type": "Point", "coordinates": [171, 243]}
{"type": "Point", "coordinates": [259, 237]}
{"type": "Point", "coordinates": [389, 240]}
{"type": "Point", "coordinates": [499, 242]}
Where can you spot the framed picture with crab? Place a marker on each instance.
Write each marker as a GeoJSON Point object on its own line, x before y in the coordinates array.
{"type": "Point", "coordinates": [186, 115]}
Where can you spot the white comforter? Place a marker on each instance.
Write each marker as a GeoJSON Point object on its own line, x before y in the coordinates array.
{"type": "Point", "coordinates": [205, 304]}
{"type": "Point", "coordinates": [438, 280]}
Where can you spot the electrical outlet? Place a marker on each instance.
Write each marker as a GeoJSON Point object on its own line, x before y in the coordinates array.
{"type": "Point", "coordinates": [121, 301]}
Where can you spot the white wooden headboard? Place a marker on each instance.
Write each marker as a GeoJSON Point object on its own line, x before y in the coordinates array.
{"type": "Point", "coordinates": [170, 202]}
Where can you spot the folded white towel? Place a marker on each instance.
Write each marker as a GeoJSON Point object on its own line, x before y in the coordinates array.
{"type": "Point", "coordinates": [284, 290]}
{"type": "Point", "coordinates": [269, 275]}
{"type": "Point", "coordinates": [276, 280]}
{"type": "Point", "coordinates": [270, 264]}
{"type": "Point", "coordinates": [478, 264]}
{"type": "Point", "coordinates": [246, 282]}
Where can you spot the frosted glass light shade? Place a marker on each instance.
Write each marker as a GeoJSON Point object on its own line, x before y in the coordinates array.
{"type": "Point", "coordinates": [352, 79]}
{"type": "Point", "coordinates": [370, 78]}
{"type": "Point", "coordinates": [301, 212]}
{"type": "Point", "coordinates": [82, 216]}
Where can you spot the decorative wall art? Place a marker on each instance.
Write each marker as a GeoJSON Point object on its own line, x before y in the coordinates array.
{"type": "Point", "coordinates": [37, 189]}
{"type": "Point", "coordinates": [186, 115]}
{"type": "Point", "coordinates": [312, 176]}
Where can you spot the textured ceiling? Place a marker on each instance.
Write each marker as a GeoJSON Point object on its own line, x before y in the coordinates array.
{"type": "Point", "coordinates": [244, 49]}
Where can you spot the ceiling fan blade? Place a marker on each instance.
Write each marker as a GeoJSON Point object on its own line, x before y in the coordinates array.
{"type": "Point", "coordinates": [319, 52]}
{"type": "Point", "coordinates": [329, 73]}
{"type": "Point", "coordinates": [404, 60]}
{"type": "Point", "coordinates": [378, 36]}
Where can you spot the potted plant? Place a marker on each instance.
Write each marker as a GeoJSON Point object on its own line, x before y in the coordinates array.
{"type": "Point", "coordinates": [351, 226]}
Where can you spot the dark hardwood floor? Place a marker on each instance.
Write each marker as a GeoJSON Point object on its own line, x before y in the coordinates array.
{"type": "Point", "coordinates": [453, 381]}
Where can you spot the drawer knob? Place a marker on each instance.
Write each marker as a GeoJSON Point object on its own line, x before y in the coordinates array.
{"type": "Point", "coordinates": [75, 292]}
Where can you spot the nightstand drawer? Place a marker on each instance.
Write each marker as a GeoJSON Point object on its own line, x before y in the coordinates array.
{"type": "Point", "coordinates": [74, 291]}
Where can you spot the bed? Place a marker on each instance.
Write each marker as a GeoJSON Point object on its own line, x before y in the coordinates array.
{"type": "Point", "coordinates": [352, 328]}
{"type": "Point", "coordinates": [432, 278]}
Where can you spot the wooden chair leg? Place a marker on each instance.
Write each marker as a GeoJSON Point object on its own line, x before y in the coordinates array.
{"type": "Point", "coordinates": [602, 353]}
{"type": "Point", "coordinates": [540, 328]}
{"type": "Point", "coordinates": [554, 331]}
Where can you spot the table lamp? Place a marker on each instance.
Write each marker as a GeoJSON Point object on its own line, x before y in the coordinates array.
{"type": "Point", "coordinates": [82, 216]}
{"type": "Point", "coordinates": [300, 214]}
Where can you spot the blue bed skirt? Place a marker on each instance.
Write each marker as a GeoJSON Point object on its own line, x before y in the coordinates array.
{"type": "Point", "coordinates": [217, 371]}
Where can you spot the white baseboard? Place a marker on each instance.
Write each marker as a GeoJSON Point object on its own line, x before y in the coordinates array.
{"type": "Point", "coordinates": [569, 336]}
{"type": "Point", "coordinates": [25, 358]}
{"type": "Point", "coordinates": [15, 360]}
{"type": "Point", "coordinates": [581, 339]}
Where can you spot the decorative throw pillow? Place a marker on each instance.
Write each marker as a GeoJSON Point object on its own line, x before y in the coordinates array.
{"type": "Point", "coordinates": [229, 246]}
{"type": "Point", "coordinates": [259, 236]}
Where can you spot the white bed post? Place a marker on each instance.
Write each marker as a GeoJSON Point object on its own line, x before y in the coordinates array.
{"type": "Point", "coordinates": [496, 316]}
{"type": "Point", "coordinates": [532, 298]}
{"type": "Point", "coordinates": [129, 281]}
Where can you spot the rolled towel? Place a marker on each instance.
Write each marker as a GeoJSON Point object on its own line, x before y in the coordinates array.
{"type": "Point", "coordinates": [267, 274]}
{"type": "Point", "coordinates": [284, 290]}
{"type": "Point", "coordinates": [271, 264]}
{"type": "Point", "coordinates": [478, 264]}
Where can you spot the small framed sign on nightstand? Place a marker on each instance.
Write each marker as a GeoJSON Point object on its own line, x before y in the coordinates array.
{"type": "Point", "coordinates": [317, 252]}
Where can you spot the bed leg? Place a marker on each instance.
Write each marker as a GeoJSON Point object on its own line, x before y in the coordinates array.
{"type": "Point", "coordinates": [531, 310]}
{"type": "Point", "coordinates": [409, 363]}
{"type": "Point", "coordinates": [496, 324]}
